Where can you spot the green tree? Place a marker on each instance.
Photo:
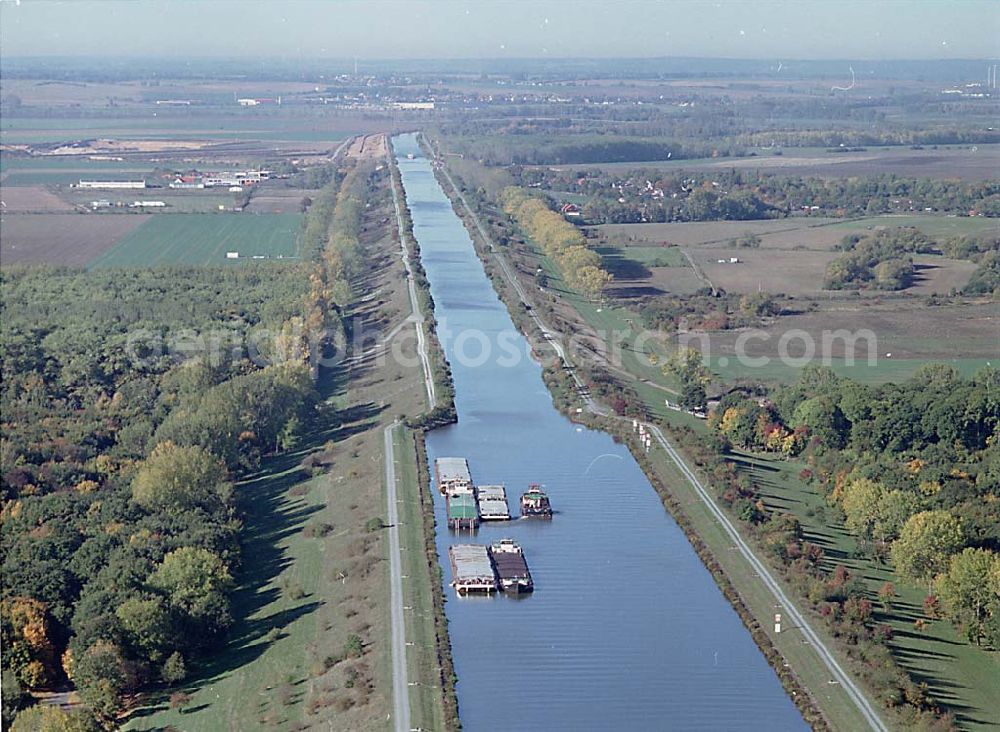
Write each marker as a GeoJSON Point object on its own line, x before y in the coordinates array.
{"type": "Point", "coordinates": [688, 366]}
{"type": "Point", "coordinates": [860, 503]}
{"type": "Point", "coordinates": [44, 718]}
{"type": "Point", "coordinates": [925, 544]}
{"type": "Point", "coordinates": [970, 590]}
{"type": "Point", "coordinates": [174, 669]}
{"type": "Point", "coordinates": [12, 696]}
{"type": "Point", "coordinates": [824, 420]}
{"type": "Point", "coordinates": [693, 396]}
{"type": "Point", "coordinates": [289, 436]}
{"type": "Point", "coordinates": [893, 511]}
{"type": "Point", "coordinates": [182, 478]}
{"type": "Point", "coordinates": [195, 582]}
{"type": "Point", "coordinates": [99, 675]}
{"type": "Point", "coordinates": [148, 625]}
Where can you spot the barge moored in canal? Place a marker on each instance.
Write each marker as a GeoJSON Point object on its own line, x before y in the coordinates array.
{"type": "Point", "coordinates": [492, 503]}
{"type": "Point", "coordinates": [452, 474]}
{"type": "Point", "coordinates": [472, 569]}
{"type": "Point", "coordinates": [463, 512]}
{"type": "Point", "coordinates": [511, 567]}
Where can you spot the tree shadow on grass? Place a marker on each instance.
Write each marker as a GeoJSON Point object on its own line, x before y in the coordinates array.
{"type": "Point", "coordinates": [270, 515]}
{"type": "Point", "coordinates": [621, 267]}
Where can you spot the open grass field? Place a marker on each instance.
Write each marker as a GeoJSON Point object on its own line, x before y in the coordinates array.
{"type": "Point", "coordinates": [648, 256]}
{"type": "Point", "coordinates": [278, 200]}
{"type": "Point", "coordinates": [700, 233]}
{"type": "Point", "coordinates": [648, 270]}
{"type": "Point", "coordinates": [62, 238]}
{"type": "Point", "coordinates": [973, 162]}
{"type": "Point", "coordinates": [10, 163]}
{"type": "Point", "coordinates": [69, 175]}
{"type": "Point", "coordinates": [906, 336]}
{"type": "Point", "coordinates": [196, 239]}
{"type": "Point", "coordinates": [769, 270]}
{"type": "Point", "coordinates": [239, 124]}
{"type": "Point", "coordinates": [934, 226]}
{"type": "Point", "coordinates": [884, 371]}
{"type": "Point", "coordinates": [801, 272]}
{"type": "Point", "coordinates": [956, 672]}
{"type": "Point", "coordinates": [801, 232]}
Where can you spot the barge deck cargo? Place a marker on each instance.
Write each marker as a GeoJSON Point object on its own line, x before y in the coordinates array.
{"type": "Point", "coordinates": [493, 503]}
{"type": "Point", "coordinates": [462, 511]}
{"type": "Point", "coordinates": [452, 474]}
{"type": "Point", "coordinates": [472, 569]}
{"type": "Point", "coordinates": [511, 567]}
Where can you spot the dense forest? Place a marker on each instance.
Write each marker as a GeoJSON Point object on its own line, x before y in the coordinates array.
{"type": "Point", "coordinates": [911, 469]}
{"type": "Point", "coordinates": [132, 401]}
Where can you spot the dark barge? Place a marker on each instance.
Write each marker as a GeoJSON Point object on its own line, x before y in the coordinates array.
{"type": "Point", "coordinates": [511, 567]}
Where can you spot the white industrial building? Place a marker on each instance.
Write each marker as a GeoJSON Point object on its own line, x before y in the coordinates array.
{"type": "Point", "coordinates": [111, 184]}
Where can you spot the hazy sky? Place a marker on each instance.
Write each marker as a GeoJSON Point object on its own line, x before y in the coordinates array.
{"type": "Point", "coordinates": [855, 29]}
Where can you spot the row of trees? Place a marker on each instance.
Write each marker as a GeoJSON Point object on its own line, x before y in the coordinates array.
{"type": "Point", "coordinates": [559, 240]}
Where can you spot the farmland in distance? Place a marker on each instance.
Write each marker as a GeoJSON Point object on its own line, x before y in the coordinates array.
{"type": "Point", "coordinates": [204, 240]}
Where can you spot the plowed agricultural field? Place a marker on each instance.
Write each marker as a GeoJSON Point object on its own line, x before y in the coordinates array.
{"type": "Point", "coordinates": [67, 238]}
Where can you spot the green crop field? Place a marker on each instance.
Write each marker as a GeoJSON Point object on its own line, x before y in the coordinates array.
{"type": "Point", "coordinates": [204, 239]}
{"type": "Point", "coordinates": [884, 371]}
{"type": "Point", "coordinates": [237, 124]}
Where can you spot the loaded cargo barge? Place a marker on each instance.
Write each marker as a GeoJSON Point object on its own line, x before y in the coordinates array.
{"type": "Point", "coordinates": [452, 474]}
{"type": "Point", "coordinates": [492, 503]}
{"type": "Point", "coordinates": [471, 569]}
{"type": "Point", "coordinates": [463, 513]}
{"type": "Point", "coordinates": [511, 567]}
{"type": "Point", "coordinates": [455, 481]}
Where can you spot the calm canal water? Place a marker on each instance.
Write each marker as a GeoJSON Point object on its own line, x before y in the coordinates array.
{"type": "Point", "coordinates": [626, 629]}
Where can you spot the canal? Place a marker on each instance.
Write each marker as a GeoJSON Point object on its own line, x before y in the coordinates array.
{"type": "Point", "coordinates": [626, 628]}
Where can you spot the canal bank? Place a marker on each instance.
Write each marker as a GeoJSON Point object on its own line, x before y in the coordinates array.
{"type": "Point", "coordinates": [626, 628]}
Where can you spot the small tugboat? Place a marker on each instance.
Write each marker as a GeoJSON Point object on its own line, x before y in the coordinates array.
{"type": "Point", "coordinates": [535, 503]}
{"type": "Point", "coordinates": [512, 569]}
